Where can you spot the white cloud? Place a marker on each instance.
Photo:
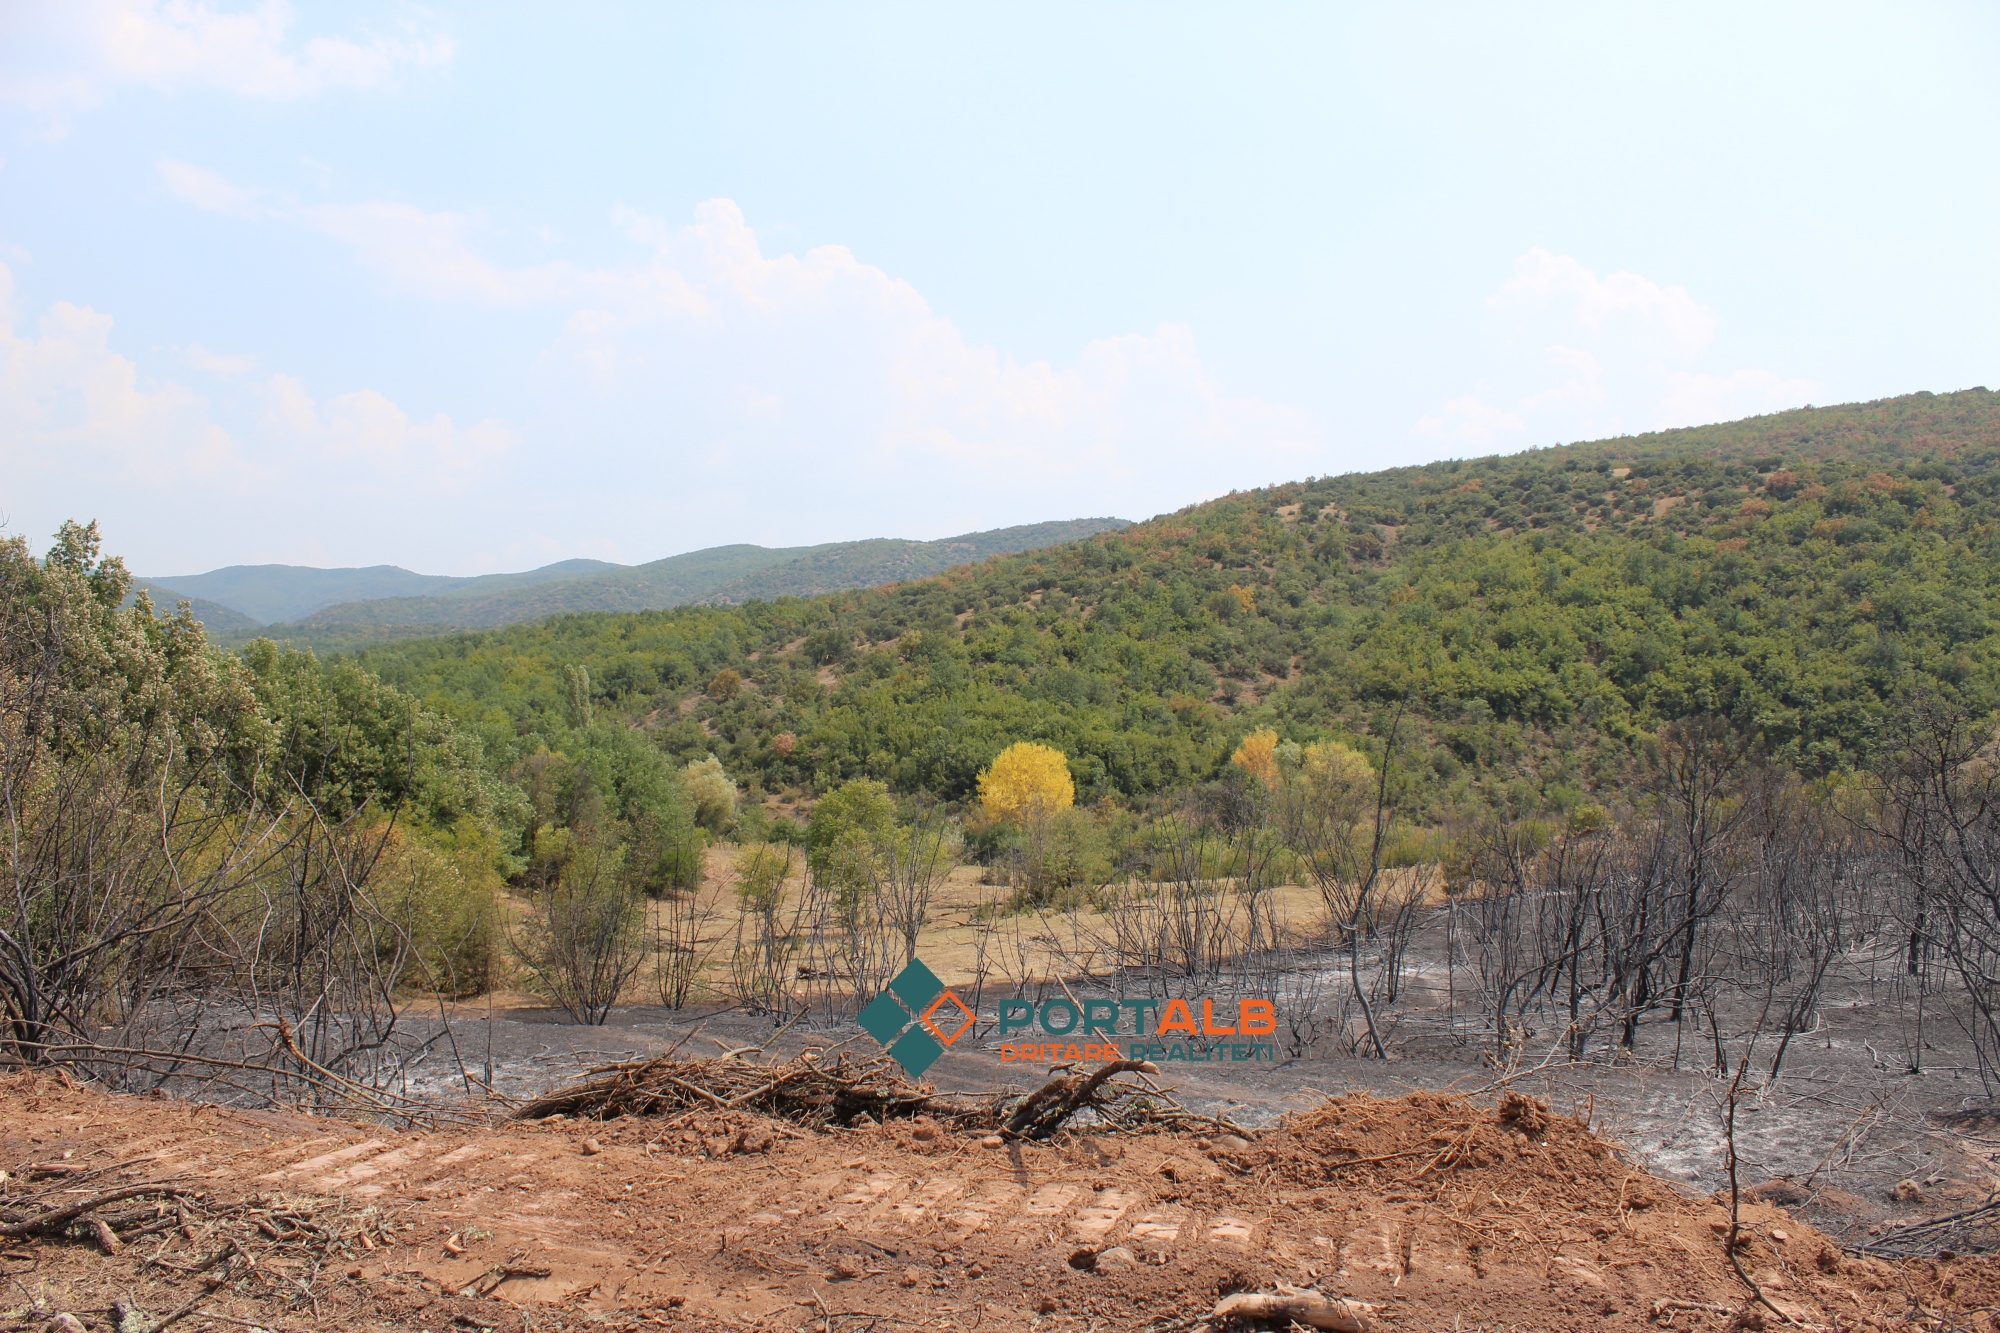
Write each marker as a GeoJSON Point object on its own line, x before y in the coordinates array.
{"type": "Point", "coordinates": [719, 384]}
{"type": "Point", "coordinates": [66, 57]}
{"type": "Point", "coordinates": [68, 403]}
{"type": "Point", "coordinates": [824, 382]}
{"type": "Point", "coordinates": [84, 433]}
{"type": "Point", "coordinates": [1541, 278]}
{"type": "Point", "coordinates": [228, 365]}
{"type": "Point", "coordinates": [206, 190]}
{"type": "Point", "coordinates": [1470, 422]}
{"type": "Point", "coordinates": [1693, 399]}
{"type": "Point", "coordinates": [1571, 355]}
{"type": "Point", "coordinates": [367, 431]}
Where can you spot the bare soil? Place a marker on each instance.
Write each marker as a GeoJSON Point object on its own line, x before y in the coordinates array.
{"type": "Point", "coordinates": [1442, 1212]}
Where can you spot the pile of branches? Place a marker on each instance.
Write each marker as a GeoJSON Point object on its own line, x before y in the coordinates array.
{"type": "Point", "coordinates": [1122, 1106]}
{"type": "Point", "coordinates": [1969, 1231]}
{"type": "Point", "coordinates": [189, 1233]}
{"type": "Point", "coordinates": [816, 1090]}
{"type": "Point", "coordinates": [808, 1089]}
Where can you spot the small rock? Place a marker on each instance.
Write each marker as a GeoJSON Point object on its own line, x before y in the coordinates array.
{"type": "Point", "coordinates": [924, 1133]}
{"type": "Point", "coordinates": [910, 1278]}
{"type": "Point", "coordinates": [845, 1267]}
{"type": "Point", "coordinates": [1907, 1191]}
{"type": "Point", "coordinates": [1780, 1235]}
{"type": "Point", "coordinates": [65, 1323]}
{"type": "Point", "coordinates": [716, 1147]}
{"type": "Point", "coordinates": [1232, 1143]}
{"type": "Point", "coordinates": [977, 1270]}
{"type": "Point", "coordinates": [1117, 1259]}
{"type": "Point", "coordinates": [754, 1139]}
{"type": "Point", "coordinates": [1785, 1193]}
{"type": "Point", "coordinates": [591, 1147]}
{"type": "Point", "coordinates": [1046, 1305]}
{"type": "Point", "coordinates": [993, 1141]}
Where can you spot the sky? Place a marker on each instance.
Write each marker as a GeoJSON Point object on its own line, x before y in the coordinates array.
{"type": "Point", "coordinates": [476, 287]}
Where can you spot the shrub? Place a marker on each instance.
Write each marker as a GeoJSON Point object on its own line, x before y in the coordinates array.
{"type": "Point", "coordinates": [585, 937]}
{"type": "Point", "coordinates": [439, 890]}
{"type": "Point", "coordinates": [712, 792]}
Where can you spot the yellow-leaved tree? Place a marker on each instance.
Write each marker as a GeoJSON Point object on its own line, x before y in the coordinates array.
{"type": "Point", "coordinates": [1026, 784]}
{"type": "Point", "coordinates": [1258, 756]}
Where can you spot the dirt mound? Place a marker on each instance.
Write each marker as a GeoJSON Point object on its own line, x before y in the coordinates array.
{"type": "Point", "coordinates": [1426, 1211]}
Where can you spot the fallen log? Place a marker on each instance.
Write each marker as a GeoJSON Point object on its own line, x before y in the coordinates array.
{"type": "Point", "coordinates": [1294, 1305]}
{"type": "Point", "coordinates": [56, 1219]}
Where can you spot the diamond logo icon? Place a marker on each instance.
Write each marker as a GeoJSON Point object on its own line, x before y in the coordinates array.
{"type": "Point", "coordinates": [915, 1051]}
{"type": "Point", "coordinates": [884, 1018]}
{"type": "Point", "coordinates": [916, 1018]}
{"type": "Point", "coordinates": [916, 985]}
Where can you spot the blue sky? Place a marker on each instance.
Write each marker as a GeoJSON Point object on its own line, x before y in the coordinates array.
{"type": "Point", "coordinates": [469, 288]}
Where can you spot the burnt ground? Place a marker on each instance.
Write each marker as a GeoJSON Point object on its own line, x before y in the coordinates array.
{"type": "Point", "coordinates": [1856, 1139]}
{"type": "Point", "coordinates": [1394, 1182]}
{"type": "Point", "coordinates": [1434, 1212]}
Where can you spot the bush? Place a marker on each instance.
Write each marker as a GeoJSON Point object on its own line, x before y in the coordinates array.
{"type": "Point", "coordinates": [439, 890]}
{"type": "Point", "coordinates": [714, 796]}
{"type": "Point", "coordinates": [844, 823]}
{"type": "Point", "coordinates": [585, 938]}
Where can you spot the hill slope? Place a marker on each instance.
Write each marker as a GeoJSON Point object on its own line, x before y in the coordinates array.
{"type": "Point", "coordinates": [268, 594]}
{"type": "Point", "coordinates": [223, 623]}
{"type": "Point", "coordinates": [1793, 572]}
{"type": "Point", "coordinates": [334, 608]}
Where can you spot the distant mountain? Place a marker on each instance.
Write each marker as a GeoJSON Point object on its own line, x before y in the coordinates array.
{"type": "Point", "coordinates": [270, 594]}
{"type": "Point", "coordinates": [347, 608]}
{"type": "Point", "coordinates": [220, 621]}
{"type": "Point", "coordinates": [866, 564]}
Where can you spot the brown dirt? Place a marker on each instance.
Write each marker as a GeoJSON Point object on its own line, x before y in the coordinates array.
{"type": "Point", "coordinates": [1444, 1213]}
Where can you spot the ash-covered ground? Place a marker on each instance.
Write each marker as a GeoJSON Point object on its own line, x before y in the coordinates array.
{"type": "Point", "coordinates": [1855, 1137]}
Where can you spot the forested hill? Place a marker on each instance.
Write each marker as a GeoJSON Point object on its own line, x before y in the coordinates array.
{"type": "Point", "coordinates": [334, 609]}
{"type": "Point", "coordinates": [1535, 614]}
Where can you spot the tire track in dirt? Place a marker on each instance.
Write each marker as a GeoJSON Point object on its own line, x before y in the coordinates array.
{"type": "Point", "coordinates": [609, 1221]}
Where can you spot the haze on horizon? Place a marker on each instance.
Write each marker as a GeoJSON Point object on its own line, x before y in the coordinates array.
{"type": "Point", "coordinates": [468, 288]}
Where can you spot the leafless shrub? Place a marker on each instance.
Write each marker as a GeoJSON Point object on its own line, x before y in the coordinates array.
{"type": "Point", "coordinates": [585, 938]}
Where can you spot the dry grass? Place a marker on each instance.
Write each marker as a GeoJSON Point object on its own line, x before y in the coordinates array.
{"type": "Point", "coordinates": [973, 932]}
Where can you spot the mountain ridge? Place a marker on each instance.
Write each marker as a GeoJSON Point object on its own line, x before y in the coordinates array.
{"type": "Point", "coordinates": [230, 600]}
{"type": "Point", "coordinates": [1801, 574]}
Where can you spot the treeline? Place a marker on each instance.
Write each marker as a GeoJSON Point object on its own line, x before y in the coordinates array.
{"type": "Point", "coordinates": [1792, 574]}
{"type": "Point", "coordinates": [1496, 637]}
{"type": "Point", "coordinates": [242, 861]}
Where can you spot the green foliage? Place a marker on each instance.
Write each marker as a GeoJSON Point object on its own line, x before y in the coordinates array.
{"type": "Point", "coordinates": [344, 739]}
{"type": "Point", "coordinates": [439, 888]}
{"type": "Point", "coordinates": [761, 872]}
{"type": "Point", "coordinates": [713, 794]}
{"type": "Point", "coordinates": [1793, 573]}
{"type": "Point", "coordinates": [157, 790]}
{"type": "Point", "coordinates": [584, 938]}
{"type": "Point", "coordinates": [846, 825]}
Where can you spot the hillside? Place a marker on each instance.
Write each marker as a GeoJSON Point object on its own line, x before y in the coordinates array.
{"type": "Point", "coordinates": [336, 608]}
{"type": "Point", "coordinates": [223, 623]}
{"type": "Point", "coordinates": [272, 594]}
{"type": "Point", "coordinates": [1794, 572]}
